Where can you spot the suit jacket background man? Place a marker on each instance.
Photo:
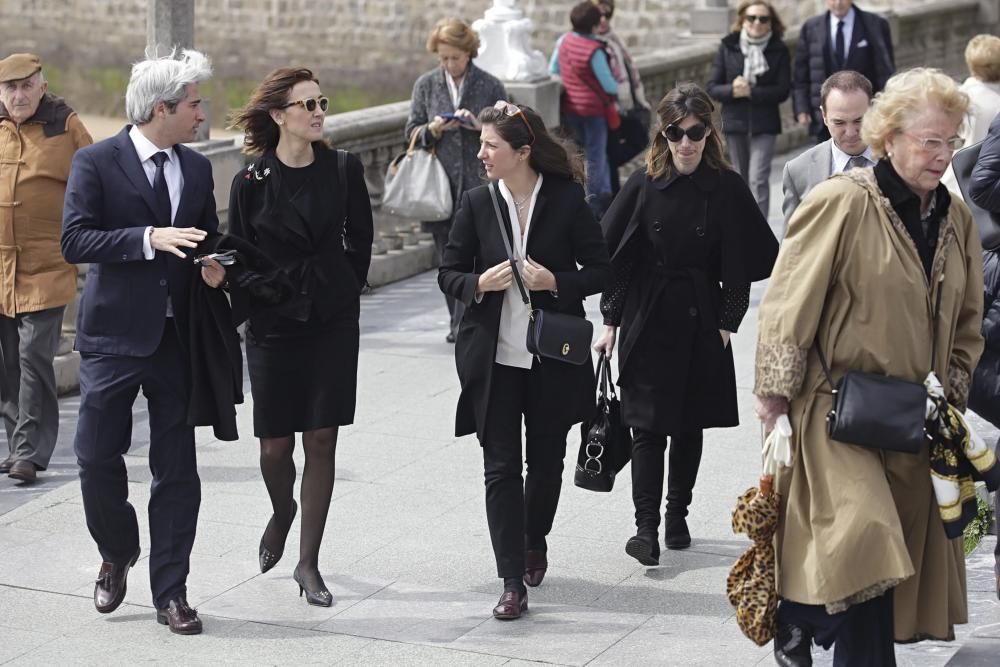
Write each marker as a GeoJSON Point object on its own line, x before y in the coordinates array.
{"type": "Point", "coordinates": [39, 134]}
{"type": "Point", "coordinates": [136, 205]}
{"type": "Point", "coordinates": [868, 45]}
{"type": "Point", "coordinates": [845, 98]}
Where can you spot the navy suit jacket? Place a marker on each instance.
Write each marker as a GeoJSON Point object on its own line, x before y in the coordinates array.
{"type": "Point", "coordinates": [109, 203]}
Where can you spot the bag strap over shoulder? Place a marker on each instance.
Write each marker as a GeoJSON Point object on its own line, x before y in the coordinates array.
{"type": "Point", "coordinates": [342, 175]}
{"type": "Point", "coordinates": [506, 243]}
{"type": "Point", "coordinates": [934, 336]}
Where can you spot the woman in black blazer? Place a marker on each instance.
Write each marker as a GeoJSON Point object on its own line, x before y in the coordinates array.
{"type": "Point", "coordinates": [306, 207]}
{"type": "Point", "coordinates": [552, 231]}
{"type": "Point", "coordinates": [686, 243]}
{"type": "Point", "coordinates": [752, 76]}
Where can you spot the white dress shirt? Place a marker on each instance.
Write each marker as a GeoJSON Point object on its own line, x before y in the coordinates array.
{"type": "Point", "coordinates": [840, 158]}
{"type": "Point", "coordinates": [146, 149]}
{"type": "Point", "coordinates": [848, 32]}
{"type": "Point", "coordinates": [512, 339]}
{"type": "Point", "coordinates": [455, 91]}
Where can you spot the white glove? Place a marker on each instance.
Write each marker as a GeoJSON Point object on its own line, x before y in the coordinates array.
{"type": "Point", "coordinates": [778, 446]}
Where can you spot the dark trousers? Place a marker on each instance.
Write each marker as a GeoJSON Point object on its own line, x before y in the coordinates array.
{"type": "Point", "coordinates": [29, 404]}
{"type": "Point", "coordinates": [440, 231]}
{"type": "Point", "coordinates": [520, 512]}
{"type": "Point", "coordinates": [108, 388]}
{"type": "Point", "coordinates": [648, 450]}
{"type": "Point", "coordinates": [862, 635]}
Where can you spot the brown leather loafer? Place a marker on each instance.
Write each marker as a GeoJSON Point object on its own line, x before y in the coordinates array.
{"type": "Point", "coordinates": [535, 564]}
{"type": "Point", "coordinates": [511, 605]}
{"type": "Point", "coordinates": [182, 619]}
{"type": "Point", "coordinates": [23, 471]}
{"type": "Point", "coordinates": [109, 590]}
{"type": "Point", "coordinates": [5, 465]}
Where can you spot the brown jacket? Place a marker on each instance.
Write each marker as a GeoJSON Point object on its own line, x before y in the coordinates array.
{"type": "Point", "coordinates": [856, 522]}
{"type": "Point", "coordinates": [34, 165]}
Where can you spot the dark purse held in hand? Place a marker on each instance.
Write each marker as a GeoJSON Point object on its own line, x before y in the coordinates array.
{"type": "Point", "coordinates": [605, 442]}
{"type": "Point", "coordinates": [880, 411]}
{"type": "Point", "coordinates": [550, 334]}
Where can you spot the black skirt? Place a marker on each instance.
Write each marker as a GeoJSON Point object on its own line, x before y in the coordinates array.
{"type": "Point", "coordinates": [305, 381]}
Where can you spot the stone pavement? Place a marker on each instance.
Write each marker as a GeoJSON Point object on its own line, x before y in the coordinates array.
{"type": "Point", "coordinates": [407, 553]}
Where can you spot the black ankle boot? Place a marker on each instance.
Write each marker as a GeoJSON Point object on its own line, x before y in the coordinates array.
{"type": "Point", "coordinates": [792, 646]}
{"type": "Point", "coordinates": [676, 535]}
{"type": "Point", "coordinates": [644, 547]}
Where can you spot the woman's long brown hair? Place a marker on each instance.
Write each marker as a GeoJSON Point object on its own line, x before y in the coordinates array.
{"type": "Point", "coordinates": [687, 99]}
{"type": "Point", "coordinates": [260, 132]}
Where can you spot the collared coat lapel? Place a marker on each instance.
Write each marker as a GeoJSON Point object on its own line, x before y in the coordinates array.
{"type": "Point", "coordinates": [128, 161]}
{"type": "Point", "coordinates": [189, 192]}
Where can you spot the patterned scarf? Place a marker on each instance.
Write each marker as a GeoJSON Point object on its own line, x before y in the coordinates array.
{"type": "Point", "coordinates": [754, 62]}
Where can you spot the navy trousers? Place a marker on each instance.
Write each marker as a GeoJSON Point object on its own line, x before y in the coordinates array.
{"type": "Point", "coordinates": [109, 385]}
{"type": "Point", "coordinates": [862, 636]}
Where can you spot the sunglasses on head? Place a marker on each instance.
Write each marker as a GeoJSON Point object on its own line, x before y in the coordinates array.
{"type": "Point", "coordinates": [310, 103]}
{"type": "Point", "coordinates": [674, 133]}
{"type": "Point", "coordinates": [752, 18]}
{"type": "Point", "coordinates": [512, 110]}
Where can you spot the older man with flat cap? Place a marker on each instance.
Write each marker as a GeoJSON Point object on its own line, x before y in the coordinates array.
{"type": "Point", "coordinates": [39, 134]}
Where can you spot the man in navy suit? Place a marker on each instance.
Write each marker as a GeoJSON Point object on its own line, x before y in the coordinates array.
{"type": "Point", "coordinates": [843, 38]}
{"type": "Point", "coordinates": [136, 204]}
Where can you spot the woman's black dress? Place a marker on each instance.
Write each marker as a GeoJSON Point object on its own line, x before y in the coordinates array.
{"type": "Point", "coordinates": [302, 354]}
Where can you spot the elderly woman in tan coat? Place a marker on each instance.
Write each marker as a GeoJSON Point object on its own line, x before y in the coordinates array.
{"type": "Point", "coordinates": [862, 554]}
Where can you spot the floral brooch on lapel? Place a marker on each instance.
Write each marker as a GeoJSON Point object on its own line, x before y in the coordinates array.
{"type": "Point", "coordinates": [254, 175]}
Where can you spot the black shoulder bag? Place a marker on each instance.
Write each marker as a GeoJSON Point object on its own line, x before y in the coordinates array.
{"type": "Point", "coordinates": [605, 441]}
{"type": "Point", "coordinates": [550, 334]}
{"type": "Point", "coordinates": [880, 411]}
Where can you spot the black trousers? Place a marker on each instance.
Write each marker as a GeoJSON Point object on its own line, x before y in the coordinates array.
{"type": "Point", "coordinates": [109, 385]}
{"type": "Point", "coordinates": [862, 635]}
{"type": "Point", "coordinates": [648, 450]}
{"type": "Point", "coordinates": [520, 511]}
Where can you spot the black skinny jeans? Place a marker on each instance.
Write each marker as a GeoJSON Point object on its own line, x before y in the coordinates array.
{"type": "Point", "coordinates": [648, 450]}
{"type": "Point", "coordinates": [520, 511]}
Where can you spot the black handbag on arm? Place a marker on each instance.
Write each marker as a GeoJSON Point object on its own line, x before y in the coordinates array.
{"type": "Point", "coordinates": [605, 442]}
{"type": "Point", "coordinates": [550, 334]}
{"type": "Point", "coordinates": [880, 411]}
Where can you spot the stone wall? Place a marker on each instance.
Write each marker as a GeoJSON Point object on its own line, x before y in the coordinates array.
{"type": "Point", "coordinates": [377, 44]}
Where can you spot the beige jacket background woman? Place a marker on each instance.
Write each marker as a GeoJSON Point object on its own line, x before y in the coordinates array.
{"type": "Point", "coordinates": [859, 279]}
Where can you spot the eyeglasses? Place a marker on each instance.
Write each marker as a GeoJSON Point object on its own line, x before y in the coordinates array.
{"type": "Point", "coordinates": [674, 133]}
{"type": "Point", "coordinates": [512, 110]}
{"type": "Point", "coordinates": [751, 18]}
{"type": "Point", "coordinates": [934, 145]}
{"type": "Point", "coordinates": [606, 13]}
{"type": "Point", "coordinates": [309, 103]}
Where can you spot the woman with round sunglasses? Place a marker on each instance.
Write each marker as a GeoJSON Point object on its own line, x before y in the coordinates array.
{"type": "Point", "coordinates": [443, 113]}
{"type": "Point", "coordinates": [686, 241]}
{"type": "Point", "coordinates": [561, 257]}
{"type": "Point", "coordinates": [306, 207]}
{"type": "Point", "coordinates": [752, 76]}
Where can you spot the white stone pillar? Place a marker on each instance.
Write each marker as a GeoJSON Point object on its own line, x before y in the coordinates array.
{"type": "Point", "coordinates": [505, 52]}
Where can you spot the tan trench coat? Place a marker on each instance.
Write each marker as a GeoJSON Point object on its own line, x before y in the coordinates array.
{"type": "Point", "coordinates": [856, 521]}
{"type": "Point", "coordinates": [34, 165]}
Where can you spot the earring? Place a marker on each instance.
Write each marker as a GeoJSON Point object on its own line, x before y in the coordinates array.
{"type": "Point", "coordinates": [888, 154]}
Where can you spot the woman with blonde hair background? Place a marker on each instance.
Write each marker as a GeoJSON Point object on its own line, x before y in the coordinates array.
{"type": "Point", "coordinates": [444, 110]}
{"type": "Point", "coordinates": [863, 557]}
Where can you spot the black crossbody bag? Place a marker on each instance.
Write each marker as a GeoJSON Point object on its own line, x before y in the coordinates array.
{"type": "Point", "coordinates": [880, 411]}
{"type": "Point", "coordinates": [550, 334]}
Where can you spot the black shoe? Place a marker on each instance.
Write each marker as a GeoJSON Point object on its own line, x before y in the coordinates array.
{"type": "Point", "coordinates": [792, 646]}
{"type": "Point", "coordinates": [182, 619]}
{"type": "Point", "coordinates": [511, 606]}
{"type": "Point", "coordinates": [6, 465]}
{"type": "Point", "coordinates": [111, 585]}
{"type": "Point", "coordinates": [265, 556]}
{"type": "Point", "coordinates": [676, 535]}
{"type": "Point", "coordinates": [644, 548]}
{"type": "Point", "coordinates": [319, 597]}
{"type": "Point", "coordinates": [450, 338]}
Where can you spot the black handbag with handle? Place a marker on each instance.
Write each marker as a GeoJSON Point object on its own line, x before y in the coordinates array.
{"type": "Point", "coordinates": [605, 442]}
{"type": "Point", "coordinates": [550, 334]}
{"type": "Point", "coordinates": [880, 411]}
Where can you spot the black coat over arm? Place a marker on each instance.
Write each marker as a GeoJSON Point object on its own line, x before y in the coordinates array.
{"type": "Point", "coordinates": [562, 235]}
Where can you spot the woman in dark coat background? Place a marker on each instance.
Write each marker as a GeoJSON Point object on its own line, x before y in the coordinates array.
{"type": "Point", "coordinates": [551, 231]}
{"type": "Point", "coordinates": [294, 204]}
{"type": "Point", "coordinates": [460, 88]}
{"type": "Point", "coordinates": [752, 76]}
{"type": "Point", "coordinates": [679, 228]}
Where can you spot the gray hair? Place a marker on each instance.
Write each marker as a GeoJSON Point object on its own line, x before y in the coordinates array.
{"type": "Point", "coordinates": [164, 80]}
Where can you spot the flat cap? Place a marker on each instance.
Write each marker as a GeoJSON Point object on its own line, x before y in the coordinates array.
{"type": "Point", "coordinates": [19, 66]}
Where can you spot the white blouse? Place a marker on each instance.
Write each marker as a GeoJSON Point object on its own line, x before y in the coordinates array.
{"type": "Point", "coordinates": [512, 345]}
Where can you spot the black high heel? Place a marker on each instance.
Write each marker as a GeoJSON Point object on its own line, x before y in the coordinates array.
{"type": "Point", "coordinates": [265, 556]}
{"type": "Point", "coordinates": [319, 598]}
